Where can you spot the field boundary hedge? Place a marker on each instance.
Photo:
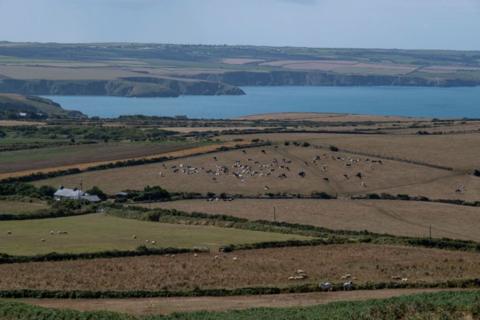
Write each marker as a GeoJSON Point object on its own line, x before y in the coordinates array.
{"type": "Point", "coordinates": [54, 256]}
{"type": "Point", "coordinates": [245, 291]}
{"type": "Point", "coordinates": [318, 196]}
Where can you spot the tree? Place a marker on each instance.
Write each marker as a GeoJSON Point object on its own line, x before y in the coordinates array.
{"type": "Point", "coordinates": [96, 191]}
{"type": "Point", "coordinates": [2, 134]}
{"type": "Point", "coordinates": [46, 191]}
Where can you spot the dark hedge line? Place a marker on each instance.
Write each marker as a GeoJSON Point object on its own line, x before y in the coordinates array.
{"type": "Point", "coordinates": [140, 251]}
{"type": "Point", "coordinates": [284, 244]}
{"type": "Point", "coordinates": [119, 164]}
{"type": "Point", "coordinates": [406, 197]}
{"type": "Point", "coordinates": [198, 292]}
{"type": "Point", "coordinates": [42, 214]}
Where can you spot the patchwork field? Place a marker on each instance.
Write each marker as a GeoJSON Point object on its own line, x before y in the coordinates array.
{"type": "Point", "coordinates": [250, 268]}
{"type": "Point", "coordinates": [99, 232]}
{"type": "Point", "coordinates": [21, 160]}
{"type": "Point", "coordinates": [288, 169]}
{"type": "Point", "coordinates": [21, 207]}
{"type": "Point", "coordinates": [403, 218]}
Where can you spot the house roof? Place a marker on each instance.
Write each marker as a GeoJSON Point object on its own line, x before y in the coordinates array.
{"type": "Point", "coordinates": [69, 193]}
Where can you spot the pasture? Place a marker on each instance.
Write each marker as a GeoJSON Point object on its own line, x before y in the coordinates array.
{"type": "Point", "coordinates": [21, 206]}
{"type": "Point", "coordinates": [402, 218]}
{"type": "Point", "coordinates": [360, 263]}
{"type": "Point", "coordinates": [459, 151]}
{"type": "Point", "coordinates": [100, 232]}
{"type": "Point", "coordinates": [279, 169]}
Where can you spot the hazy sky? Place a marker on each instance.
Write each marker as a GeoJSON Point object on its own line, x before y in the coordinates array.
{"type": "Point", "coordinates": [439, 24]}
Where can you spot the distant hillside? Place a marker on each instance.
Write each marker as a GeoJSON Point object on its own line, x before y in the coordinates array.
{"type": "Point", "coordinates": [169, 70]}
{"type": "Point", "coordinates": [14, 106]}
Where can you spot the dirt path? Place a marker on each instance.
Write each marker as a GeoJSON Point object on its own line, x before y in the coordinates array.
{"type": "Point", "coordinates": [82, 166]}
{"type": "Point", "coordinates": [150, 306]}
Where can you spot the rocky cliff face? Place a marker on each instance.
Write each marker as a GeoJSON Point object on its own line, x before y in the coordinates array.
{"type": "Point", "coordinates": [301, 78]}
{"type": "Point", "coordinates": [128, 87]}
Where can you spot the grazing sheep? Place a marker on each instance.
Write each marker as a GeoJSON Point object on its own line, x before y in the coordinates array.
{"type": "Point", "coordinates": [235, 258]}
{"type": "Point", "coordinates": [347, 286]}
{"type": "Point", "coordinates": [153, 242]}
{"type": "Point", "coordinates": [346, 276]}
{"type": "Point", "coordinates": [43, 240]}
{"type": "Point", "coordinates": [326, 286]}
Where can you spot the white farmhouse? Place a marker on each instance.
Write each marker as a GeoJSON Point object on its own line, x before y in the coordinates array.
{"type": "Point", "coordinates": [74, 194]}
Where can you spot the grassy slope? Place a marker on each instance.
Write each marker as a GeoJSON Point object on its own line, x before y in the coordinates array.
{"type": "Point", "coordinates": [445, 305]}
{"type": "Point", "coordinates": [20, 103]}
{"type": "Point", "coordinates": [20, 207]}
{"type": "Point", "coordinates": [97, 232]}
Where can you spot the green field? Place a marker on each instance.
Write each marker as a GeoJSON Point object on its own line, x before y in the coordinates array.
{"type": "Point", "coordinates": [21, 207]}
{"type": "Point", "coordinates": [99, 232]}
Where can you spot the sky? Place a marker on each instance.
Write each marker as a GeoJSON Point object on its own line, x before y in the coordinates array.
{"type": "Point", "coordinates": [405, 24]}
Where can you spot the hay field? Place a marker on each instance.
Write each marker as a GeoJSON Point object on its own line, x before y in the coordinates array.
{"type": "Point", "coordinates": [20, 207]}
{"type": "Point", "coordinates": [22, 160]}
{"type": "Point", "coordinates": [459, 151]}
{"type": "Point", "coordinates": [260, 170]}
{"type": "Point", "coordinates": [263, 267]}
{"type": "Point", "coordinates": [99, 232]}
{"type": "Point", "coordinates": [403, 218]}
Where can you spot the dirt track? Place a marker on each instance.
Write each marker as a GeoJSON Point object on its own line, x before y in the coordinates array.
{"type": "Point", "coordinates": [151, 306]}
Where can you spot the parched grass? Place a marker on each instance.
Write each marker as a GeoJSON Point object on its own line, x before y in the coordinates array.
{"type": "Point", "coordinates": [21, 206]}
{"type": "Point", "coordinates": [99, 232]}
{"type": "Point", "coordinates": [260, 268]}
{"type": "Point", "coordinates": [401, 218]}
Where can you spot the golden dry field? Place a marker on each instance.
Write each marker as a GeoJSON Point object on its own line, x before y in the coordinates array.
{"type": "Point", "coordinates": [402, 218]}
{"type": "Point", "coordinates": [249, 268]}
{"type": "Point", "coordinates": [281, 169]}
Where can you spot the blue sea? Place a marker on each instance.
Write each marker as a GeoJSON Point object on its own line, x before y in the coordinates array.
{"type": "Point", "coordinates": [461, 102]}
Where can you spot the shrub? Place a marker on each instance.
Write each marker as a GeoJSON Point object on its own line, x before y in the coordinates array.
{"type": "Point", "coordinates": [96, 191]}
{"type": "Point", "coordinates": [333, 148]}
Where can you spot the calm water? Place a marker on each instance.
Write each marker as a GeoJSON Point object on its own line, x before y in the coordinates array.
{"type": "Point", "coordinates": [405, 101]}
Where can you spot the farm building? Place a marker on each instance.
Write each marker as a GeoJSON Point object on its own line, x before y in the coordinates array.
{"type": "Point", "coordinates": [74, 194]}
